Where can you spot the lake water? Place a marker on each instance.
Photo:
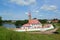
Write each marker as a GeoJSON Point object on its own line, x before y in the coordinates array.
{"type": "Point", "coordinates": [9, 25]}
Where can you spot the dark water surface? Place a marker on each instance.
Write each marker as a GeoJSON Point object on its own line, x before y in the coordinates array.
{"type": "Point", "coordinates": [9, 25]}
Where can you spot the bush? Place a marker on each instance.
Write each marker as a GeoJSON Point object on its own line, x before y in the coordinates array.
{"type": "Point", "coordinates": [0, 21]}
{"type": "Point", "coordinates": [43, 21]}
{"type": "Point", "coordinates": [20, 23]}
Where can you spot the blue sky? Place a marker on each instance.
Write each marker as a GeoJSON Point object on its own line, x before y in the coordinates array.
{"type": "Point", "coordinates": [18, 9]}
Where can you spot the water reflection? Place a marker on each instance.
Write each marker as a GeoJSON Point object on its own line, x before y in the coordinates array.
{"type": "Point", "coordinates": [9, 25]}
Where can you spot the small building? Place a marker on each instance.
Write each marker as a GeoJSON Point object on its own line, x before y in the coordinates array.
{"type": "Point", "coordinates": [55, 20]}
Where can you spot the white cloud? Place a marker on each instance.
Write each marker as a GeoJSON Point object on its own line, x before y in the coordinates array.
{"type": "Point", "coordinates": [26, 13]}
{"type": "Point", "coordinates": [57, 11]}
{"type": "Point", "coordinates": [40, 15]}
{"type": "Point", "coordinates": [23, 2]}
{"type": "Point", "coordinates": [49, 7]}
{"type": "Point", "coordinates": [53, 8]}
{"type": "Point", "coordinates": [37, 11]}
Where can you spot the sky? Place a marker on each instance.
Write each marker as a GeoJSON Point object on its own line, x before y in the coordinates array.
{"type": "Point", "coordinates": [19, 9]}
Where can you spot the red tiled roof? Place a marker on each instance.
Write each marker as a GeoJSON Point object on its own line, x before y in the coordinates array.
{"type": "Point", "coordinates": [35, 21]}
{"type": "Point", "coordinates": [26, 25]}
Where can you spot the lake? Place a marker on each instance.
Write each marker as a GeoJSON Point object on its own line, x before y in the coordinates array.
{"type": "Point", "coordinates": [9, 25]}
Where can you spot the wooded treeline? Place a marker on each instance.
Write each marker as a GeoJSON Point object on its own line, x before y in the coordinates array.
{"type": "Point", "coordinates": [21, 22]}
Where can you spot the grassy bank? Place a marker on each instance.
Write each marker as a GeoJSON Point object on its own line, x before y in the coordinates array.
{"type": "Point", "coordinates": [57, 24]}
{"type": "Point", "coordinates": [6, 34]}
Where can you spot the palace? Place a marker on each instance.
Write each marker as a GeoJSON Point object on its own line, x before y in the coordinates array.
{"type": "Point", "coordinates": [35, 25]}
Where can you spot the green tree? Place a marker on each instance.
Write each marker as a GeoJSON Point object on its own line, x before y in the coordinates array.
{"type": "Point", "coordinates": [0, 21]}
{"type": "Point", "coordinates": [59, 21]}
{"type": "Point", "coordinates": [20, 23]}
{"type": "Point", "coordinates": [43, 20]}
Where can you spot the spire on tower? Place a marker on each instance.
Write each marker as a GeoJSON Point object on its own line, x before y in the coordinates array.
{"type": "Point", "coordinates": [29, 15]}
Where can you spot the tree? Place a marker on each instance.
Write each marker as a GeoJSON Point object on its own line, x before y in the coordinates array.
{"type": "Point", "coordinates": [20, 23]}
{"type": "Point", "coordinates": [17, 23]}
{"type": "Point", "coordinates": [0, 21]}
{"type": "Point", "coordinates": [43, 20]}
{"type": "Point", "coordinates": [59, 21]}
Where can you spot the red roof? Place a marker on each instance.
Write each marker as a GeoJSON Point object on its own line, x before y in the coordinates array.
{"type": "Point", "coordinates": [26, 25]}
{"type": "Point", "coordinates": [34, 21]}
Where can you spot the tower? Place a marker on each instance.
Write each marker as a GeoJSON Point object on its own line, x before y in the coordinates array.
{"type": "Point", "coordinates": [29, 15]}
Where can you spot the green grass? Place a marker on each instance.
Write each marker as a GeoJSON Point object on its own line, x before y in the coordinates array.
{"type": "Point", "coordinates": [6, 34]}
{"type": "Point", "coordinates": [57, 24]}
